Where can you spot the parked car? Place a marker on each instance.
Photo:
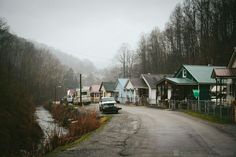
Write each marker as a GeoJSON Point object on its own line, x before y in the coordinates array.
{"type": "Point", "coordinates": [107, 105]}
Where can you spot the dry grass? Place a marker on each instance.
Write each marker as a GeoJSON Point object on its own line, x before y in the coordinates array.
{"type": "Point", "coordinates": [78, 123]}
{"type": "Point", "coordinates": [84, 123]}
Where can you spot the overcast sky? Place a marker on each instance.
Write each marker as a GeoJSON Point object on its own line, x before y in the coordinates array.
{"type": "Point", "coordinates": [93, 29]}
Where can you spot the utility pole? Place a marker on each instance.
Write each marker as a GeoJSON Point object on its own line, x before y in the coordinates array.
{"type": "Point", "coordinates": [80, 89]}
{"type": "Point", "coordinates": [55, 94]}
{"type": "Point", "coordinates": [124, 64]}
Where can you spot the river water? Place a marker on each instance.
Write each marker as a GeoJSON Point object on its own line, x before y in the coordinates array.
{"type": "Point", "coordinates": [47, 123]}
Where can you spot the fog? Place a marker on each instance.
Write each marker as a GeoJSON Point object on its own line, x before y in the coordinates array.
{"type": "Point", "coordinates": [84, 28]}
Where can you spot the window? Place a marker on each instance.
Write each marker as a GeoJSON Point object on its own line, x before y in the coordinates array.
{"type": "Point", "coordinates": [184, 72]}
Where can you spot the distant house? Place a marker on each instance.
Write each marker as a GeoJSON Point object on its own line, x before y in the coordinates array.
{"type": "Point", "coordinates": [226, 76]}
{"type": "Point", "coordinates": [120, 90]}
{"type": "Point", "coordinates": [190, 82]}
{"type": "Point", "coordinates": [135, 89]}
{"type": "Point", "coordinates": [95, 93]}
{"type": "Point", "coordinates": [107, 89]}
{"type": "Point", "coordinates": [151, 81]}
{"type": "Point", "coordinates": [71, 92]}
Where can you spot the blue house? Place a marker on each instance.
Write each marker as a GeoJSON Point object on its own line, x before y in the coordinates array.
{"type": "Point", "coordinates": [121, 95]}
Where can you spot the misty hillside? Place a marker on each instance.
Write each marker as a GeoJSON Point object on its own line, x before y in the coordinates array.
{"type": "Point", "coordinates": [84, 66]}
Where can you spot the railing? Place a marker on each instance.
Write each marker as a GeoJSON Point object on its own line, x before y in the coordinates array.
{"type": "Point", "coordinates": [223, 111]}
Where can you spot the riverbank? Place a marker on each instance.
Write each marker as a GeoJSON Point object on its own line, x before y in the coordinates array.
{"type": "Point", "coordinates": [78, 122]}
{"type": "Point", "coordinates": [60, 149]}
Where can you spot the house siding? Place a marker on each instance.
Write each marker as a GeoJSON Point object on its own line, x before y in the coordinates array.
{"type": "Point", "coordinates": [152, 96]}
{"type": "Point", "coordinates": [122, 93]}
{"type": "Point", "coordinates": [131, 93]}
{"type": "Point", "coordinates": [188, 75]}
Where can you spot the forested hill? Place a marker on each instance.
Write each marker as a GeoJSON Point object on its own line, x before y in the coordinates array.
{"type": "Point", "coordinates": [78, 65]}
{"type": "Point", "coordinates": [29, 76]}
{"type": "Point", "coordinates": [199, 32]}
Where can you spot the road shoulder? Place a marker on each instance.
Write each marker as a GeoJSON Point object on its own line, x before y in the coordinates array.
{"type": "Point", "coordinates": [109, 141]}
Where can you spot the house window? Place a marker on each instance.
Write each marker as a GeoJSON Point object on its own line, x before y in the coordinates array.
{"type": "Point", "coordinates": [184, 73]}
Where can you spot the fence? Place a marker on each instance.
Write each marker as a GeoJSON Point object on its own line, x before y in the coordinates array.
{"type": "Point", "coordinates": [224, 111]}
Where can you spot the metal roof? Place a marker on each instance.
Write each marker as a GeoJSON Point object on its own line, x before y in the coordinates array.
{"type": "Point", "coordinates": [94, 88]}
{"type": "Point", "coordinates": [138, 83]}
{"type": "Point", "coordinates": [109, 86]}
{"type": "Point", "coordinates": [202, 73]}
{"type": "Point", "coordinates": [152, 79]}
{"type": "Point", "coordinates": [224, 73]}
{"type": "Point", "coordinates": [181, 81]}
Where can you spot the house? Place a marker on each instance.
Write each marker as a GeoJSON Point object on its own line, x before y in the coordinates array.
{"type": "Point", "coordinates": [226, 76]}
{"type": "Point", "coordinates": [71, 92]}
{"type": "Point", "coordinates": [120, 90]}
{"type": "Point", "coordinates": [189, 82]}
{"type": "Point", "coordinates": [95, 93]}
{"type": "Point", "coordinates": [107, 89]}
{"type": "Point", "coordinates": [136, 89]}
{"type": "Point", "coordinates": [151, 81]}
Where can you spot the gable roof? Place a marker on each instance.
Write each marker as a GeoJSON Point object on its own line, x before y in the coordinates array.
{"type": "Point", "coordinates": [224, 73]}
{"type": "Point", "coordinates": [94, 88]}
{"type": "Point", "coordinates": [122, 81]}
{"type": "Point", "coordinates": [201, 73]}
{"type": "Point", "coordinates": [109, 86]}
{"type": "Point", "coordinates": [138, 83]}
{"type": "Point", "coordinates": [152, 79]}
{"type": "Point", "coordinates": [181, 81]}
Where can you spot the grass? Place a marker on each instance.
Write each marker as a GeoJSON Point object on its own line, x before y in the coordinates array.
{"type": "Point", "coordinates": [103, 120]}
{"type": "Point", "coordinates": [209, 118]}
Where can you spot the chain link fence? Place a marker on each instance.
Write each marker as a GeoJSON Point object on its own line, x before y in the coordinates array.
{"type": "Point", "coordinates": [223, 111]}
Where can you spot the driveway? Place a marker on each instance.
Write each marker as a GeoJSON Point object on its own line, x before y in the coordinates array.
{"type": "Point", "coordinates": [141, 131]}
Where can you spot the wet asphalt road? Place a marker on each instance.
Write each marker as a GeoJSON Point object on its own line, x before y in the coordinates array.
{"type": "Point", "coordinates": [144, 132]}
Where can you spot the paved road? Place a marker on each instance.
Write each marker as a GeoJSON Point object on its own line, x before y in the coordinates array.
{"type": "Point", "coordinates": [144, 132]}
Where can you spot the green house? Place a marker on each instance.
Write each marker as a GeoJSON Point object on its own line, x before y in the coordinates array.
{"type": "Point", "coordinates": [189, 82]}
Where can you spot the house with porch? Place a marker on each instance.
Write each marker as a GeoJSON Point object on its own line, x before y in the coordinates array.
{"type": "Point", "coordinates": [226, 77]}
{"type": "Point", "coordinates": [107, 89]}
{"type": "Point", "coordinates": [136, 89]}
{"type": "Point", "coordinates": [151, 81]}
{"type": "Point", "coordinates": [189, 82]}
{"type": "Point", "coordinates": [95, 93]}
{"type": "Point", "coordinates": [121, 95]}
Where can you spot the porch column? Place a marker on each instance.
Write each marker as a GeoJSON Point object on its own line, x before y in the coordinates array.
{"type": "Point", "coordinates": [198, 101]}
{"type": "Point", "coordinates": [216, 90]}
{"type": "Point", "coordinates": [220, 97]}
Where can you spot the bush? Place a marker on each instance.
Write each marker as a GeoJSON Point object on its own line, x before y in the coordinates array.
{"type": "Point", "coordinates": [83, 124]}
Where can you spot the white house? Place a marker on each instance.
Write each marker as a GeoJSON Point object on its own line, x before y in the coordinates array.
{"type": "Point", "coordinates": [135, 89]}
{"type": "Point", "coordinates": [151, 80]}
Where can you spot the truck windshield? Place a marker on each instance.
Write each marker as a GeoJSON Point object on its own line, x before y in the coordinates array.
{"type": "Point", "coordinates": [108, 99]}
